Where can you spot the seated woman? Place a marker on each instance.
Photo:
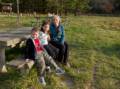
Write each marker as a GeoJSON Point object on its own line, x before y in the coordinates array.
{"type": "Point", "coordinates": [58, 39]}
{"type": "Point", "coordinates": [45, 38]}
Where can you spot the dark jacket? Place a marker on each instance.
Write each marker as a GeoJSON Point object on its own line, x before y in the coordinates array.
{"type": "Point", "coordinates": [30, 50]}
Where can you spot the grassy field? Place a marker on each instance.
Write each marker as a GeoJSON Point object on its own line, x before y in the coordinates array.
{"type": "Point", "coordinates": [94, 56]}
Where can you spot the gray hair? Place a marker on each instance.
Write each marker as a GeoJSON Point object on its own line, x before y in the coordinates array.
{"type": "Point", "coordinates": [58, 17]}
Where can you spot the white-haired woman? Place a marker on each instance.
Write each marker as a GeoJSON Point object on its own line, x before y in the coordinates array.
{"type": "Point", "coordinates": [58, 39]}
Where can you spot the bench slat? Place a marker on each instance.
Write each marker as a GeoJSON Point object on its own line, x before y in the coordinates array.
{"type": "Point", "coordinates": [19, 63]}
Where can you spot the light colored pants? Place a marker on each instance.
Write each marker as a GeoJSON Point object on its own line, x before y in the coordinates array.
{"type": "Point", "coordinates": [40, 61]}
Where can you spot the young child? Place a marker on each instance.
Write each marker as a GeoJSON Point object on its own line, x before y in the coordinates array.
{"type": "Point", "coordinates": [36, 52]}
{"type": "Point", "coordinates": [45, 38]}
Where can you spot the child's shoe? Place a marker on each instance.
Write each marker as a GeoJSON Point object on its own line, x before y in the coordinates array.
{"type": "Point", "coordinates": [42, 81]}
{"type": "Point", "coordinates": [59, 71]}
{"type": "Point", "coordinates": [48, 69]}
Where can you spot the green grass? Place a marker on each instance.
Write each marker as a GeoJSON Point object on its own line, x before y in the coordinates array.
{"type": "Point", "coordinates": [94, 56]}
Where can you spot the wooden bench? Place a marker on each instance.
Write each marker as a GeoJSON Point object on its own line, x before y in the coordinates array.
{"type": "Point", "coordinates": [11, 39]}
{"type": "Point", "coordinates": [21, 65]}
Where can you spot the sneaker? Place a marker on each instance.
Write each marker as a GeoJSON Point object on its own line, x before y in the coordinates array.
{"type": "Point", "coordinates": [42, 81]}
{"type": "Point", "coordinates": [48, 69]}
{"type": "Point", "coordinates": [59, 71]}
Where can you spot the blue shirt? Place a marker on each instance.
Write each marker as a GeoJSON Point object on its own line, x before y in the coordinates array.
{"type": "Point", "coordinates": [58, 37]}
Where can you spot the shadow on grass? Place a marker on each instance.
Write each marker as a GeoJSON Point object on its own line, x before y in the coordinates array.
{"type": "Point", "coordinates": [12, 53]}
{"type": "Point", "coordinates": [79, 45]}
{"type": "Point", "coordinates": [8, 80]}
{"type": "Point", "coordinates": [111, 50]}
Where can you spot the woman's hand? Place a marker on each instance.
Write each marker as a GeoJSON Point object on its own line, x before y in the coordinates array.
{"type": "Point", "coordinates": [49, 38]}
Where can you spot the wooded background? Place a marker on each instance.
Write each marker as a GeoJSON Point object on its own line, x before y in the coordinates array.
{"type": "Point", "coordinates": [76, 7]}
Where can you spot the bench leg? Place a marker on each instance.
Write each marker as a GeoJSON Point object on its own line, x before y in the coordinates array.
{"type": "Point", "coordinates": [2, 60]}
{"type": "Point", "coordinates": [27, 67]}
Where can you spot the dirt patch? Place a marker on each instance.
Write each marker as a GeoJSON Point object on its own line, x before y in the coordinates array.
{"type": "Point", "coordinates": [68, 81]}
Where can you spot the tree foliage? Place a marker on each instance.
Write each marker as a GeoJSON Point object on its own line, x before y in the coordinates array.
{"type": "Point", "coordinates": [65, 6]}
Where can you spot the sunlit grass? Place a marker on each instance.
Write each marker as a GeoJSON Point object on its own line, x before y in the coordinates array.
{"type": "Point", "coordinates": [94, 55]}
